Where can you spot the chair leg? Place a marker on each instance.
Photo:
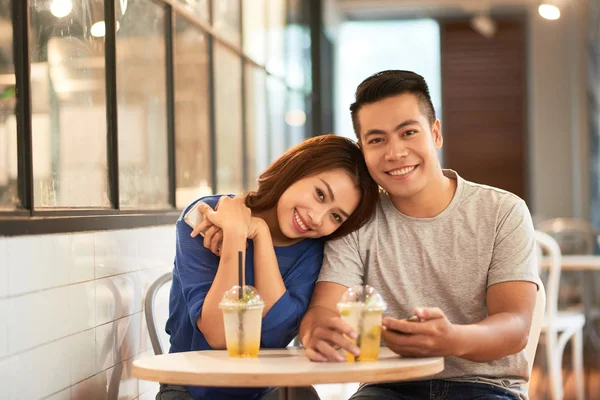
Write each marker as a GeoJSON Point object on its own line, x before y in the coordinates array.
{"type": "Point", "coordinates": [554, 360]}
{"type": "Point", "coordinates": [578, 365]}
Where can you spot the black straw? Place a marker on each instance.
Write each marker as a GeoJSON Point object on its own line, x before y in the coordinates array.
{"type": "Point", "coordinates": [366, 275]}
{"type": "Point", "coordinates": [240, 275]}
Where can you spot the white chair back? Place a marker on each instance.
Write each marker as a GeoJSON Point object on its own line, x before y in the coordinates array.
{"type": "Point", "coordinates": [537, 321]}
{"type": "Point", "coordinates": [574, 236]}
{"type": "Point", "coordinates": [549, 247]}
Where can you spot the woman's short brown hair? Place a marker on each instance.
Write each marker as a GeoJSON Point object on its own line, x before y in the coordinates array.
{"type": "Point", "coordinates": [315, 155]}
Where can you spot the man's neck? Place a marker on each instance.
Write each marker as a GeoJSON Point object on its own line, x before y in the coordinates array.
{"type": "Point", "coordinates": [430, 201]}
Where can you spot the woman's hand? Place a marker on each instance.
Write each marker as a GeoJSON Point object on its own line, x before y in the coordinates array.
{"type": "Point", "coordinates": [213, 235]}
{"type": "Point", "coordinates": [232, 215]}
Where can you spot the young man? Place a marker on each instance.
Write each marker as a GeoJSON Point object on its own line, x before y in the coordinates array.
{"type": "Point", "coordinates": [457, 254]}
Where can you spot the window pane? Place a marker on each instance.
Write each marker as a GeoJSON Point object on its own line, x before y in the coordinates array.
{"type": "Point", "coordinates": [256, 124]}
{"type": "Point", "coordinates": [141, 99]}
{"type": "Point", "coordinates": [68, 105]}
{"type": "Point", "coordinates": [276, 92]}
{"type": "Point", "coordinates": [298, 66]}
{"type": "Point", "coordinates": [226, 20]}
{"type": "Point", "coordinates": [228, 109]}
{"type": "Point", "coordinates": [198, 7]}
{"type": "Point", "coordinates": [8, 123]}
{"type": "Point", "coordinates": [295, 117]}
{"type": "Point", "coordinates": [276, 37]}
{"type": "Point", "coordinates": [192, 118]}
{"type": "Point", "coordinates": [255, 44]}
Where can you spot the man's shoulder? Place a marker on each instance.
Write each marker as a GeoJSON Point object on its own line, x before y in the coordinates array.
{"type": "Point", "coordinates": [485, 198]}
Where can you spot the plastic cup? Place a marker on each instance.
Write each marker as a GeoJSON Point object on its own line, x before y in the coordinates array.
{"type": "Point", "coordinates": [365, 318]}
{"type": "Point", "coordinates": [242, 318]}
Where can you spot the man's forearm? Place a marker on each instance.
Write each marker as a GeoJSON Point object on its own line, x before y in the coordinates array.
{"type": "Point", "coordinates": [314, 315]}
{"type": "Point", "coordinates": [495, 337]}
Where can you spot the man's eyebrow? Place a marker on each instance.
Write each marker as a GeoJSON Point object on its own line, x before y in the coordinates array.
{"type": "Point", "coordinates": [333, 197]}
{"type": "Point", "coordinates": [400, 126]}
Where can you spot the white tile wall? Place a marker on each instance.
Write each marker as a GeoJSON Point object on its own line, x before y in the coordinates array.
{"type": "Point", "coordinates": [71, 312]}
{"type": "Point", "coordinates": [3, 269]}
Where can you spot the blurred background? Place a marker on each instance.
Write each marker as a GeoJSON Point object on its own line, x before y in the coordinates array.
{"type": "Point", "coordinates": [116, 114]}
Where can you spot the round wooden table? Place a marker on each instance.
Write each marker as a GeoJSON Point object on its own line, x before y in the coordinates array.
{"type": "Point", "coordinates": [281, 367]}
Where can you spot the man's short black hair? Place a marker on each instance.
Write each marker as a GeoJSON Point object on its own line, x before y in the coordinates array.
{"type": "Point", "coordinates": [391, 83]}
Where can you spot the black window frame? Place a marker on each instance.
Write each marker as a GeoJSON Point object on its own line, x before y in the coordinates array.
{"type": "Point", "coordinates": [27, 220]}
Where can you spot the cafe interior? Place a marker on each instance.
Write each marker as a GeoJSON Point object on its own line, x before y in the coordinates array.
{"type": "Point", "coordinates": [117, 114]}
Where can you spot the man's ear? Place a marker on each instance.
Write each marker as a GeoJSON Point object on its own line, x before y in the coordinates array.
{"type": "Point", "coordinates": [436, 131]}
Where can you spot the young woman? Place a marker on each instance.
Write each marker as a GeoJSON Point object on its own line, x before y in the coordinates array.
{"type": "Point", "coordinates": [320, 189]}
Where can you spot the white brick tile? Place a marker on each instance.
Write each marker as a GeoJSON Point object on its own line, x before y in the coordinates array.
{"type": "Point", "coordinates": [30, 264]}
{"type": "Point", "coordinates": [115, 252]}
{"type": "Point", "coordinates": [3, 267]}
{"type": "Point", "coordinates": [82, 347]}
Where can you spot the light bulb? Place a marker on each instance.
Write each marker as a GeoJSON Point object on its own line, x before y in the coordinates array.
{"type": "Point", "coordinates": [549, 11]}
{"type": "Point", "coordinates": [99, 29]}
{"type": "Point", "coordinates": [61, 8]}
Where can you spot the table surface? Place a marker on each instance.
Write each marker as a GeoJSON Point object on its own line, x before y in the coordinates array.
{"type": "Point", "coordinates": [577, 262]}
{"type": "Point", "coordinates": [280, 367]}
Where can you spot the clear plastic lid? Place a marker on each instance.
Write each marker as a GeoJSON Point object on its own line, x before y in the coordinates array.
{"type": "Point", "coordinates": [249, 299]}
{"type": "Point", "coordinates": [353, 297]}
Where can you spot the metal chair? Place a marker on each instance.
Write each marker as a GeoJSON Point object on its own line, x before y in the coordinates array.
{"type": "Point", "coordinates": [149, 311]}
{"type": "Point", "coordinates": [560, 326]}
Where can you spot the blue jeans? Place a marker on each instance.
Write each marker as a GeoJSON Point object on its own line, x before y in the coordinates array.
{"type": "Point", "coordinates": [433, 390]}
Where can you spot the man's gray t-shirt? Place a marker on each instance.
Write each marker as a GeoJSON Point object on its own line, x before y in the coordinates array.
{"type": "Point", "coordinates": [485, 236]}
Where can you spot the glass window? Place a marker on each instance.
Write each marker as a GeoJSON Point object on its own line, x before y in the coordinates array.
{"type": "Point", "coordinates": [68, 104]}
{"type": "Point", "coordinates": [295, 117]}
{"type": "Point", "coordinates": [297, 37]}
{"type": "Point", "coordinates": [192, 117]}
{"type": "Point", "coordinates": [255, 40]}
{"type": "Point", "coordinates": [256, 124]}
{"type": "Point", "coordinates": [198, 7]}
{"type": "Point", "coordinates": [228, 120]}
{"type": "Point", "coordinates": [276, 37]}
{"type": "Point", "coordinates": [8, 123]}
{"type": "Point", "coordinates": [141, 100]}
{"type": "Point", "coordinates": [276, 92]}
{"type": "Point", "coordinates": [226, 20]}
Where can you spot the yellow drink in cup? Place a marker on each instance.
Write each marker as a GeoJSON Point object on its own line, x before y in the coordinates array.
{"type": "Point", "coordinates": [242, 318]}
{"type": "Point", "coordinates": [365, 318]}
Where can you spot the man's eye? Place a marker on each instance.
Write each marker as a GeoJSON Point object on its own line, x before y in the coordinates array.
{"type": "Point", "coordinates": [375, 141]}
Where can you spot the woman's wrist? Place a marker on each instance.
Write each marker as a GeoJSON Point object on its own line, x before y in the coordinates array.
{"type": "Point", "coordinates": [258, 228]}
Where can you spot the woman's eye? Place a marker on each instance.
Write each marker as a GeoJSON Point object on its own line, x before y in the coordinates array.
{"type": "Point", "coordinates": [320, 194]}
{"type": "Point", "coordinates": [337, 218]}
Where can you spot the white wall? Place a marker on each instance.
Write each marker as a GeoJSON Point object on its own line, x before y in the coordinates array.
{"type": "Point", "coordinates": [558, 163]}
{"type": "Point", "coordinates": [71, 319]}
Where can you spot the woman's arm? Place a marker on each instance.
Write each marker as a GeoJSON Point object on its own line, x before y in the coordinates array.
{"type": "Point", "coordinates": [267, 276]}
{"type": "Point", "coordinates": [235, 231]}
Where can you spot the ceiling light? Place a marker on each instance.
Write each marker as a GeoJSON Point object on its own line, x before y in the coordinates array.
{"type": "Point", "coordinates": [61, 8]}
{"type": "Point", "coordinates": [549, 11]}
{"type": "Point", "coordinates": [484, 25]}
{"type": "Point", "coordinates": [99, 29]}
{"type": "Point", "coordinates": [295, 117]}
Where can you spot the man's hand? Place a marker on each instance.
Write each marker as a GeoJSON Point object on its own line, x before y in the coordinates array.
{"type": "Point", "coordinates": [433, 336]}
{"type": "Point", "coordinates": [327, 338]}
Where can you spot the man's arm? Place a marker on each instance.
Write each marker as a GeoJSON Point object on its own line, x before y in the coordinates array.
{"type": "Point", "coordinates": [322, 330]}
{"type": "Point", "coordinates": [504, 332]}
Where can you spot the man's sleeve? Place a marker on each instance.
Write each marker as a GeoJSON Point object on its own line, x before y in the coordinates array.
{"type": "Point", "coordinates": [341, 262]}
{"type": "Point", "coordinates": [514, 256]}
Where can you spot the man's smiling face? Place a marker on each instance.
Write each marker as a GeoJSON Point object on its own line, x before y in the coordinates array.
{"type": "Point", "coordinates": [399, 144]}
